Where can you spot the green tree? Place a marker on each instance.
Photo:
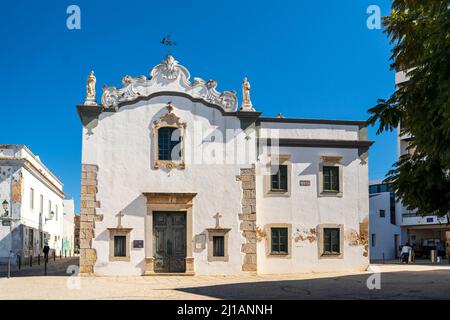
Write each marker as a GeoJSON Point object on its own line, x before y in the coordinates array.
{"type": "Point", "coordinates": [419, 31]}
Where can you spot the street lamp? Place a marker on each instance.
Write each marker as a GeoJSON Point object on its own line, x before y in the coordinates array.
{"type": "Point", "coordinates": [5, 205]}
{"type": "Point", "coordinates": [51, 215]}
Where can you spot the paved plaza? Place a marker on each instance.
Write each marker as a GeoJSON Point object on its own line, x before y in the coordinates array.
{"type": "Point", "coordinates": [397, 282]}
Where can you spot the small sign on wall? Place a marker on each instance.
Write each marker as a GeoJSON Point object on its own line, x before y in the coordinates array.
{"type": "Point", "coordinates": [305, 183]}
{"type": "Point", "coordinates": [138, 244]}
{"type": "Point", "coordinates": [200, 241]}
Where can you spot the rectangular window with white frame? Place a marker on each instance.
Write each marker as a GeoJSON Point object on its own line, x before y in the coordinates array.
{"type": "Point", "coordinates": [278, 180]}
{"type": "Point", "coordinates": [119, 244]}
{"type": "Point", "coordinates": [218, 244]}
{"type": "Point", "coordinates": [278, 243]}
{"type": "Point", "coordinates": [331, 240]}
{"type": "Point", "coordinates": [331, 180]}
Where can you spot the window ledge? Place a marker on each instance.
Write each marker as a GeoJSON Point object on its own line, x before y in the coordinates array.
{"type": "Point", "coordinates": [332, 256]}
{"type": "Point", "coordinates": [126, 259]}
{"type": "Point", "coordinates": [338, 194]}
{"type": "Point", "coordinates": [279, 255]}
{"type": "Point", "coordinates": [272, 193]}
{"type": "Point", "coordinates": [169, 164]}
{"type": "Point", "coordinates": [220, 259]}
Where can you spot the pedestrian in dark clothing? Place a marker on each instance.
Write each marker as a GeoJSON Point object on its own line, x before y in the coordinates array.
{"type": "Point", "coordinates": [46, 251]}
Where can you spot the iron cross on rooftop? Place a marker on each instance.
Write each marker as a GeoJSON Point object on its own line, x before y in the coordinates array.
{"type": "Point", "coordinates": [168, 42]}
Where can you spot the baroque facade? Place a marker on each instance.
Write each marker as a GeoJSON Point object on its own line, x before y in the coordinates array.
{"type": "Point", "coordinates": [177, 177]}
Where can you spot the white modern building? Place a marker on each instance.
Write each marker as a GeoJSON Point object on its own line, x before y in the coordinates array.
{"type": "Point", "coordinates": [178, 177]}
{"type": "Point", "coordinates": [68, 239]}
{"type": "Point", "coordinates": [422, 232]}
{"type": "Point", "coordinates": [384, 230]}
{"type": "Point", "coordinates": [32, 204]}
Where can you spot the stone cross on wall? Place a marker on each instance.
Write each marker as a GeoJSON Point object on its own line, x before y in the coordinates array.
{"type": "Point", "coordinates": [217, 217]}
{"type": "Point", "coordinates": [119, 220]}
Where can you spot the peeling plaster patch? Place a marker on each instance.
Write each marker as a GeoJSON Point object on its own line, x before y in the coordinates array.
{"type": "Point", "coordinates": [305, 235]}
{"type": "Point", "coordinates": [17, 189]}
{"type": "Point", "coordinates": [359, 239]}
{"type": "Point", "coordinates": [352, 237]}
{"type": "Point", "coordinates": [364, 235]}
{"type": "Point", "coordinates": [260, 233]}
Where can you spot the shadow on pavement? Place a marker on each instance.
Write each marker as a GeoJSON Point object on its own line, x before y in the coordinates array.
{"type": "Point", "coordinates": [394, 285]}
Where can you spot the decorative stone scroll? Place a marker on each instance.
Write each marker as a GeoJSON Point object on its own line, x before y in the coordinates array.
{"type": "Point", "coordinates": [168, 75]}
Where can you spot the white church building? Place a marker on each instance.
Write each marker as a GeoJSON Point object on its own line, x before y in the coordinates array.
{"type": "Point", "coordinates": [178, 177]}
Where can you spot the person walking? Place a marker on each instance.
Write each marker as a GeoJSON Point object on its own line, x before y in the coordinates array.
{"type": "Point", "coordinates": [405, 253]}
{"type": "Point", "coordinates": [46, 250]}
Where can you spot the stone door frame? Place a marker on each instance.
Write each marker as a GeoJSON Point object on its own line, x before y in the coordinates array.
{"type": "Point", "coordinates": [168, 202]}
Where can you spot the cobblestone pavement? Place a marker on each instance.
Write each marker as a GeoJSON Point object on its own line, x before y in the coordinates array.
{"type": "Point", "coordinates": [397, 282]}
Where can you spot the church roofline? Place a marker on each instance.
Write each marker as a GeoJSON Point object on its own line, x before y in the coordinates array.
{"type": "Point", "coordinates": [168, 74]}
{"type": "Point", "coordinates": [99, 108]}
{"type": "Point", "coordinates": [169, 78]}
{"type": "Point", "coordinates": [90, 110]}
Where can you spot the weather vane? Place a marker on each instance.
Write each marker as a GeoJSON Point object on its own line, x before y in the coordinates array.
{"type": "Point", "coordinates": [168, 43]}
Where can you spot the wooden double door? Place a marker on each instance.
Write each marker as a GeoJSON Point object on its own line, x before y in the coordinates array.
{"type": "Point", "coordinates": [169, 241]}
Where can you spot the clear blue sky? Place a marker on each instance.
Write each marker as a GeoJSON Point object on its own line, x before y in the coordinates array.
{"type": "Point", "coordinates": [343, 66]}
